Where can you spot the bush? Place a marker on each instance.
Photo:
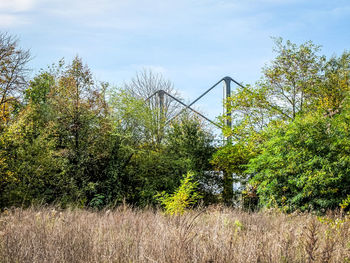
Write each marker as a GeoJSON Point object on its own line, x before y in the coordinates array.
{"type": "Point", "coordinates": [305, 164]}
{"type": "Point", "coordinates": [185, 196]}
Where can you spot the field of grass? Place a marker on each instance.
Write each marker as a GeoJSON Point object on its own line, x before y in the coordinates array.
{"type": "Point", "coordinates": [210, 235]}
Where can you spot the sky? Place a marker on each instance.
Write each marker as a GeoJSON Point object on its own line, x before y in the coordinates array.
{"type": "Point", "coordinates": [194, 43]}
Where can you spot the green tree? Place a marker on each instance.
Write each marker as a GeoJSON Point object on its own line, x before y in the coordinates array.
{"type": "Point", "coordinates": [138, 165]}
{"type": "Point", "coordinates": [304, 164]}
{"type": "Point", "coordinates": [288, 87]}
{"type": "Point", "coordinates": [143, 166]}
{"type": "Point", "coordinates": [331, 95]}
{"type": "Point", "coordinates": [58, 146]}
{"type": "Point", "coordinates": [296, 82]}
{"type": "Point", "coordinates": [191, 144]}
{"type": "Point", "coordinates": [83, 125]}
{"type": "Point", "coordinates": [33, 169]}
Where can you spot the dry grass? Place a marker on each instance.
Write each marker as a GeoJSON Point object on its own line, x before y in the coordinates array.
{"type": "Point", "coordinates": [212, 235]}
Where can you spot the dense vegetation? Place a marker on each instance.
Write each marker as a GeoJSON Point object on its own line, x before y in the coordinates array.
{"type": "Point", "coordinates": [291, 132]}
{"type": "Point", "coordinates": [68, 139]}
{"type": "Point", "coordinates": [71, 140]}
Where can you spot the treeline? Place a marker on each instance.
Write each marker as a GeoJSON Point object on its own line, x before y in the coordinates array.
{"type": "Point", "coordinates": [68, 139]}
{"type": "Point", "coordinates": [71, 140]}
{"type": "Point", "coordinates": [291, 132]}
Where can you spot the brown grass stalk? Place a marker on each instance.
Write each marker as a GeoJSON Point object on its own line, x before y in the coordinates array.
{"type": "Point", "coordinates": [132, 235]}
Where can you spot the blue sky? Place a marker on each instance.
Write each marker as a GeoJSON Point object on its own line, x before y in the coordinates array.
{"type": "Point", "coordinates": [194, 43]}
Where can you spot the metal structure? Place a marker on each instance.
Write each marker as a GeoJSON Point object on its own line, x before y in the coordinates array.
{"type": "Point", "coordinates": [227, 85]}
{"type": "Point", "coordinates": [227, 192]}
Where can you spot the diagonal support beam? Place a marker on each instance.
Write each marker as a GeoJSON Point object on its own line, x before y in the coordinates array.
{"type": "Point", "coordinates": [188, 107]}
{"type": "Point", "coordinates": [226, 80]}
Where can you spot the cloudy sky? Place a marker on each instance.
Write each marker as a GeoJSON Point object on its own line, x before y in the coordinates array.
{"type": "Point", "coordinates": [192, 42]}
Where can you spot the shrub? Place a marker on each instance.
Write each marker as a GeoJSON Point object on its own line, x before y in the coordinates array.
{"type": "Point", "coordinates": [185, 196]}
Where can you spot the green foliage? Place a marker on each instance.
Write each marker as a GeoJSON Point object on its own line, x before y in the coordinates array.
{"type": "Point", "coordinates": [191, 146]}
{"type": "Point", "coordinates": [286, 131]}
{"type": "Point", "coordinates": [288, 87]}
{"type": "Point", "coordinates": [345, 204]}
{"type": "Point", "coordinates": [304, 164]}
{"type": "Point", "coordinates": [97, 201]}
{"type": "Point", "coordinates": [184, 197]}
{"type": "Point", "coordinates": [140, 165]}
{"type": "Point", "coordinates": [35, 169]}
{"type": "Point", "coordinates": [57, 146]}
{"type": "Point", "coordinates": [133, 119]}
{"type": "Point", "coordinates": [66, 144]}
{"type": "Point", "coordinates": [284, 91]}
{"type": "Point", "coordinates": [62, 142]}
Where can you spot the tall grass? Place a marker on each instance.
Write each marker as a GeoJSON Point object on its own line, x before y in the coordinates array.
{"type": "Point", "coordinates": [131, 235]}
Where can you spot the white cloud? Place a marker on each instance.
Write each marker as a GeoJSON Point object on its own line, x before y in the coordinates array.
{"type": "Point", "coordinates": [339, 11]}
{"type": "Point", "coordinates": [16, 5]}
{"type": "Point", "coordinates": [12, 12]}
{"type": "Point", "coordinates": [71, 9]}
{"type": "Point", "coordinates": [9, 20]}
{"type": "Point", "coordinates": [154, 68]}
{"type": "Point", "coordinates": [128, 15]}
